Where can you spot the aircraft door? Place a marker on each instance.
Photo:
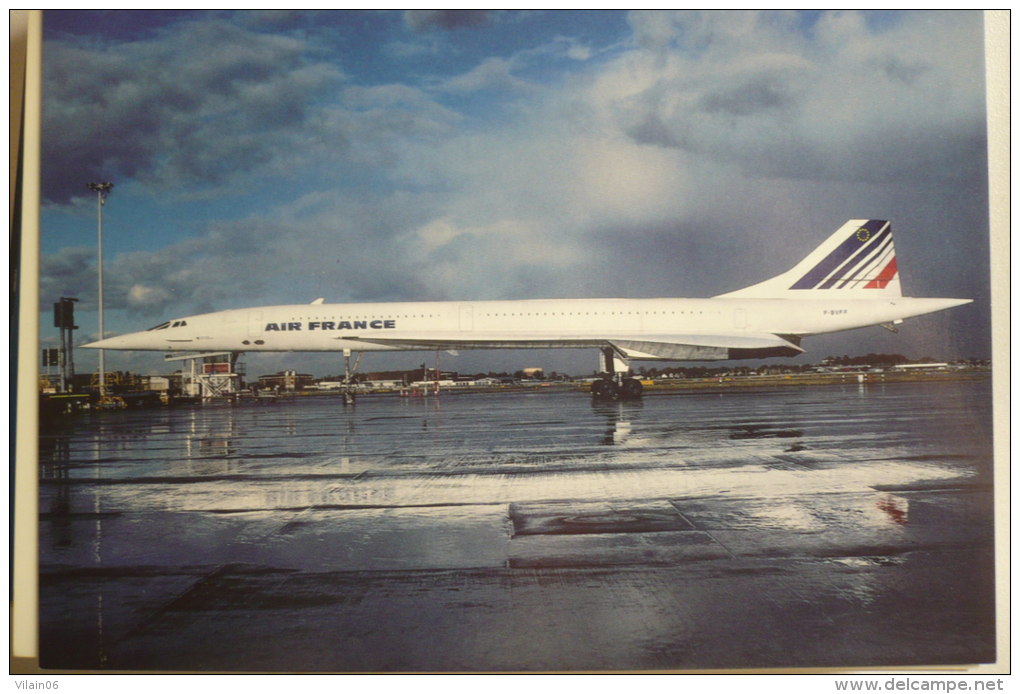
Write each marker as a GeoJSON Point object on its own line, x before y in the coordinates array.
{"type": "Point", "coordinates": [467, 318]}
{"type": "Point", "coordinates": [254, 323]}
{"type": "Point", "coordinates": [740, 318]}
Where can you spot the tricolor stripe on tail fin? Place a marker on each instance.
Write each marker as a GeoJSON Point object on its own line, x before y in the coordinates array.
{"type": "Point", "coordinates": [858, 259]}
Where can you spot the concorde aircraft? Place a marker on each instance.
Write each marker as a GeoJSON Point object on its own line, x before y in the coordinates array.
{"type": "Point", "coordinates": [849, 281]}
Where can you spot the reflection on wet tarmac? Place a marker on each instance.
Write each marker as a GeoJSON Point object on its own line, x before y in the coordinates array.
{"type": "Point", "coordinates": [826, 503]}
{"type": "Point", "coordinates": [618, 416]}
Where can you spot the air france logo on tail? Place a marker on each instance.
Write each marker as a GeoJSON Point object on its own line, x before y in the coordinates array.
{"type": "Point", "coordinates": [866, 259]}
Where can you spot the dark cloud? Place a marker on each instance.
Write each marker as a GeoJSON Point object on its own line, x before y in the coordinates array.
{"type": "Point", "coordinates": [277, 18]}
{"type": "Point", "coordinates": [68, 272]}
{"type": "Point", "coordinates": [747, 98]}
{"type": "Point", "coordinates": [425, 20]}
{"type": "Point", "coordinates": [853, 105]}
{"type": "Point", "coordinates": [196, 106]}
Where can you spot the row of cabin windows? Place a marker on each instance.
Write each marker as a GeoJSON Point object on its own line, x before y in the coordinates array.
{"type": "Point", "coordinates": [334, 318]}
{"type": "Point", "coordinates": [181, 323]}
{"type": "Point", "coordinates": [497, 315]}
{"type": "Point", "coordinates": [604, 313]}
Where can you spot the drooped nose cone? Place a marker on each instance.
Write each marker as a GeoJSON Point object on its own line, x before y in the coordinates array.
{"type": "Point", "coordinates": [108, 343]}
{"type": "Point", "coordinates": [143, 340]}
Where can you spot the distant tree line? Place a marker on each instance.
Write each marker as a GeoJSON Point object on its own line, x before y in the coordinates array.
{"type": "Point", "coordinates": [428, 373]}
{"type": "Point", "coordinates": [877, 360]}
{"type": "Point", "coordinates": [873, 359]}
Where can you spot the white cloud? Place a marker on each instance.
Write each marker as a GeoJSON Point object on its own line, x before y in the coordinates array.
{"type": "Point", "coordinates": [436, 234]}
{"type": "Point", "coordinates": [577, 51]}
{"type": "Point", "coordinates": [142, 295]}
{"type": "Point", "coordinates": [492, 73]}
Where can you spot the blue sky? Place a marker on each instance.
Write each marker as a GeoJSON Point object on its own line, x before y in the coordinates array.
{"type": "Point", "coordinates": [275, 157]}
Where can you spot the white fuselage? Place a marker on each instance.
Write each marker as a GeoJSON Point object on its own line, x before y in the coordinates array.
{"type": "Point", "coordinates": [493, 324]}
{"type": "Point", "coordinates": [849, 281]}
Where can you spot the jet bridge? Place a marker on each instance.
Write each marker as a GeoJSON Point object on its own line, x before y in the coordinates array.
{"type": "Point", "coordinates": [211, 375]}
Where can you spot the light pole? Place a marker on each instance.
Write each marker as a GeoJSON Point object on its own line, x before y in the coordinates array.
{"type": "Point", "coordinates": [102, 190]}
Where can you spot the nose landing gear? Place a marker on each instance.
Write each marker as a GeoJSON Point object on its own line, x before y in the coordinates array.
{"type": "Point", "coordinates": [348, 388]}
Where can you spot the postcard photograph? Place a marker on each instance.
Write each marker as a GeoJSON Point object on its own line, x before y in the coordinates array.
{"type": "Point", "coordinates": [514, 341]}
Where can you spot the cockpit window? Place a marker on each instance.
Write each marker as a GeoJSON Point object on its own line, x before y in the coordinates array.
{"type": "Point", "coordinates": [164, 326]}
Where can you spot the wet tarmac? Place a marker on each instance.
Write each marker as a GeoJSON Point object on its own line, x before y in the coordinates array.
{"type": "Point", "coordinates": [818, 527]}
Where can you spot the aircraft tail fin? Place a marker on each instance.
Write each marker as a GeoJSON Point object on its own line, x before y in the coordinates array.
{"type": "Point", "coordinates": [859, 259]}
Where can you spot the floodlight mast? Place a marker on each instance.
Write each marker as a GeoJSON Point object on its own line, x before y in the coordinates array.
{"type": "Point", "coordinates": [102, 189]}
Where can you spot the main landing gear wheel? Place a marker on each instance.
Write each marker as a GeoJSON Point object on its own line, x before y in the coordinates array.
{"type": "Point", "coordinates": [615, 384]}
{"type": "Point", "coordinates": [628, 389]}
{"type": "Point", "coordinates": [604, 389]}
{"type": "Point", "coordinates": [631, 388]}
